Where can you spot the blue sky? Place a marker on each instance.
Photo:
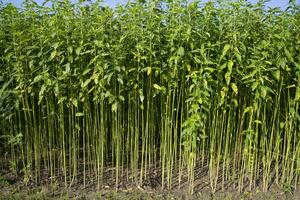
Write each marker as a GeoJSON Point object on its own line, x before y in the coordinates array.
{"type": "Point", "coordinates": [272, 3]}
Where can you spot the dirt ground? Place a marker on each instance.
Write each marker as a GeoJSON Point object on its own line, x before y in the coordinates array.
{"type": "Point", "coordinates": [13, 187]}
{"type": "Point", "coordinates": [38, 193]}
{"type": "Point", "coordinates": [17, 190]}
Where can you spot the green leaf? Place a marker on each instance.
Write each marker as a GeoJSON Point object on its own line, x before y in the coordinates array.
{"type": "Point", "coordinates": [75, 102]}
{"type": "Point", "coordinates": [121, 98]}
{"type": "Point", "coordinates": [263, 91]}
{"type": "Point", "coordinates": [203, 136]}
{"type": "Point", "coordinates": [291, 86]}
{"type": "Point", "coordinates": [142, 98]}
{"type": "Point", "coordinates": [234, 88]}
{"type": "Point", "coordinates": [254, 85]}
{"type": "Point", "coordinates": [209, 69]}
{"type": "Point", "coordinates": [114, 107]}
{"type": "Point", "coordinates": [223, 66]}
{"type": "Point", "coordinates": [225, 49]}
{"type": "Point", "coordinates": [149, 71]}
{"type": "Point", "coordinates": [37, 78]}
{"type": "Point", "coordinates": [53, 54]}
{"type": "Point", "coordinates": [62, 99]}
{"type": "Point", "coordinates": [70, 49]}
{"type": "Point", "coordinates": [250, 75]}
{"type": "Point", "coordinates": [237, 54]}
{"type": "Point", "coordinates": [257, 121]}
{"type": "Point", "coordinates": [235, 102]}
{"type": "Point", "coordinates": [142, 107]}
{"type": "Point", "coordinates": [78, 50]}
{"type": "Point", "coordinates": [248, 109]}
{"type": "Point", "coordinates": [228, 77]}
{"type": "Point", "coordinates": [55, 45]}
{"type": "Point", "coordinates": [288, 54]}
{"type": "Point", "coordinates": [230, 65]}
{"type": "Point", "coordinates": [223, 92]}
{"type": "Point", "coordinates": [120, 81]}
{"type": "Point", "coordinates": [276, 75]}
{"type": "Point", "coordinates": [156, 86]}
{"type": "Point", "coordinates": [86, 71]}
{"type": "Point", "coordinates": [197, 60]}
{"type": "Point", "coordinates": [85, 84]}
{"type": "Point", "coordinates": [41, 94]}
{"type": "Point", "coordinates": [282, 125]}
{"type": "Point", "coordinates": [79, 114]}
{"type": "Point", "coordinates": [68, 69]}
{"type": "Point", "coordinates": [180, 51]}
{"type": "Point", "coordinates": [188, 67]}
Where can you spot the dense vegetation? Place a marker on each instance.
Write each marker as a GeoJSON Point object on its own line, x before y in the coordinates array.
{"type": "Point", "coordinates": [154, 84]}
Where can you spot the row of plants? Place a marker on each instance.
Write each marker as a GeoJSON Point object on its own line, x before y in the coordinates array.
{"type": "Point", "coordinates": [173, 85]}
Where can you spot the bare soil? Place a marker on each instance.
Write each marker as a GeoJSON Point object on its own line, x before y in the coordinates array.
{"type": "Point", "coordinates": [13, 186]}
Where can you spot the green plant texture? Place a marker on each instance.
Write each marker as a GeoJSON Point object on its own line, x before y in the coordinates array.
{"type": "Point", "coordinates": [171, 85]}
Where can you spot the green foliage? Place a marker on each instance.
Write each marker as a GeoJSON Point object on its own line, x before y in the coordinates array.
{"type": "Point", "coordinates": [84, 86]}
